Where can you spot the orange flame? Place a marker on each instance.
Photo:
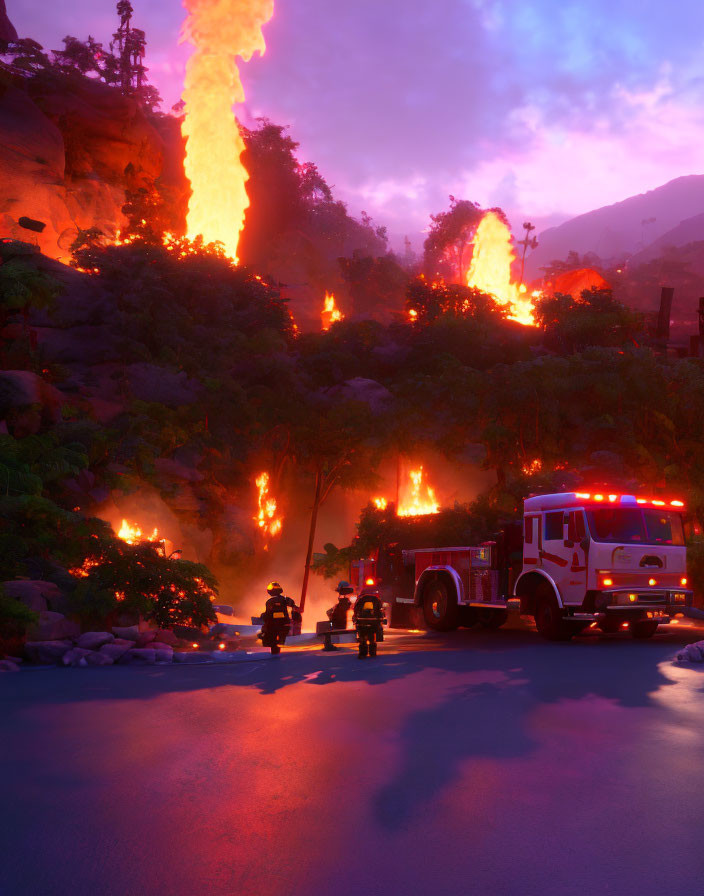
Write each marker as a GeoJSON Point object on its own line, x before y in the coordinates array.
{"type": "Point", "coordinates": [380, 503]}
{"type": "Point", "coordinates": [132, 534]}
{"type": "Point", "coordinates": [418, 499]}
{"type": "Point", "coordinates": [490, 270]}
{"type": "Point", "coordinates": [330, 314]}
{"type": "Point", "coordinates": [268, 522]}
{"type": "Point", "coordinates": [220, 30]}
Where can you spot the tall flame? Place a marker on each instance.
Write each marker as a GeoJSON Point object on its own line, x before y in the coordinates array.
{"type": "Point", "coordinates": [490, 270]}
{"type": "Point", "coordinates": [219, 30]}
{"type": "Point", "coordinates": [418, 499]}
{"type": "Point", "coordinates": [330, 314]}
{"type": "Point", "coordinates": [267, 520]}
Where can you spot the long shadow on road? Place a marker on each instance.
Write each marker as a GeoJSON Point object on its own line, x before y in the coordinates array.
{"type": "Point", "coordinates": [501, 678]}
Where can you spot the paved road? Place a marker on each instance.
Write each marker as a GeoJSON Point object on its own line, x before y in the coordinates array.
{"type": "Point", "coordinates": [474, 763]}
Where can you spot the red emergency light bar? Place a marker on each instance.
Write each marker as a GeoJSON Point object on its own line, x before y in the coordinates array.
{"type": "Point", "coordinates": [625, 499]}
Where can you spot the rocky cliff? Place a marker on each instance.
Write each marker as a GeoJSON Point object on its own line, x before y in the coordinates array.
{"type": "Point", "coordinates": [69, 149]}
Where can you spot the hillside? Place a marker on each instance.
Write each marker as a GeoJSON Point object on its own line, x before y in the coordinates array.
{"type": "Point", "coordinates": [617, 231]}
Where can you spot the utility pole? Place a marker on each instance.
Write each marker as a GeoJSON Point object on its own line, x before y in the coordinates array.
{"type": "Point", "coordinates": [527, 242]}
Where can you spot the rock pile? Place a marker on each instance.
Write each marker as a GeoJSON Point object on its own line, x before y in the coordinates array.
{"type": "Point", "coordinates": [692, 653]}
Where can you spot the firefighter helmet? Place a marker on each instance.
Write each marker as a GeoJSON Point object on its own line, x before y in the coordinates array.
{"type": "Point", "coordinates": [274, 588]}
{"type": "Point", "coordinates": [344, 588]}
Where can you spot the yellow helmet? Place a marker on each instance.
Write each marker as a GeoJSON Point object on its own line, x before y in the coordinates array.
{"type": "Point", "coordinates": [274, 588]}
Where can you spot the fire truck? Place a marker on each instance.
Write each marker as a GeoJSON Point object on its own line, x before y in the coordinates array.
{"type": "Point", "coordinates": [576, 560]}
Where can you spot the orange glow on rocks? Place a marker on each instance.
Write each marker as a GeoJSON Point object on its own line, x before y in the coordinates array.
{"type": "Point", "coordinates": [490, 270]}
{"type": "Point", "coordinates": [220, 31]}
{"type": "Point", "coordinates": [417, 498]}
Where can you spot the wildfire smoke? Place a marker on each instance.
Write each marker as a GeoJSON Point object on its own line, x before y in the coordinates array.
{"type": "Point", "coordinates": [220, 30]}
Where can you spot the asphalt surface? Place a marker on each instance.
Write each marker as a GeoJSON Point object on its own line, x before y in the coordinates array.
{"type": "Point", "coordinates": [472, 763]}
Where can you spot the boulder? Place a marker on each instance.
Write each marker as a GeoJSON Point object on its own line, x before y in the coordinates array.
{"type": "Point", "coordinates": [164, 636]}
{"type": "Point", "coordinates": [52, 627]}
{"type": "Point", "coordinates": [97, 658]}
{"type": "Point", "coordinates": [33, 594]}
{"type": "Point", "coordinates": [143, 656]}
{"type": "Point", "coordinates": [75, 657]}
{"type": "Point", "coordinates": [173, 388]}
{"type": "Point", "coordinates": [164, 656]}
{"type": "Point", "coordinates": [692, 653]}
{"type": "Point", "coordinates": [157, 645]}
{"type": "Point", "coordinates": [114, 651]}
{"type": "Point", "coordinates": [22, 390]}
{"type": "Point", "coordinates": [8, 666]}
{"type": "Point", "coordinates": [46, 652]}
{"type": "Point", "coordinates": [94, 640]}
{"type": "Point", "coordinates": [127, 632]}
{"type": "Point", "coordinates": [145, 638]}
{"type": "Point", "coordinates": [182, 656]}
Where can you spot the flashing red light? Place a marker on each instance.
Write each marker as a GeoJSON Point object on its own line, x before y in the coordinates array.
{"type": "Point", "coordinates": [641, 501]}
{"type": "Point", "coordinates": [369, 582]}
{"type": "Point", "coordinates": [659, 503]}
{"type": "Point", "coordinates": [585, 496]}
{"type": "Point", "coordinates": [677, 503]}
{"type": "Point", "coordinates": [598, 497]}
{"type": "Point", "coordinates": [221, 645]}
{"type": "Point", "coordinates": [683, 580]}
{"type": "Point", "coordinates": [652, 582]}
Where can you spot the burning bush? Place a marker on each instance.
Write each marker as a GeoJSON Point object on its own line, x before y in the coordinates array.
{"type": "Point", "coordinates": [139, 579]}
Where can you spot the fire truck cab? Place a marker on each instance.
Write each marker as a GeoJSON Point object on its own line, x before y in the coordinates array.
{"type": "Point", "coordinates": [616, 561]}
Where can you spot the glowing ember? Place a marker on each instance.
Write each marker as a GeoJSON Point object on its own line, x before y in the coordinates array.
{"type": "Point", "coordinates": [219, 30]}
{"type": "Point", "coordinates": [490, 270]}
{"type": "Point", "coordinates": [83, 571]}
{"type": "Point", "coordinates": [268, 522]}
{"type": "Point", "coordinates": [412, 314]}
{"type": "Point", "coordinates": [381, 503]}
{"type": "Point", "coordinates": [133, 534]}
{"type": "Point", "coordinates": [535, 466]}
{"type": "Point", "coordinates": [418, 498]}
{"type": "Point", "coordinates": [330, 313]}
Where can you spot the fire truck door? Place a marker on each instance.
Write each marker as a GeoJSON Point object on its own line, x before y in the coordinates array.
{"type": "Point", "coordinates": [574, 578]}
{"type": "Point", "coordinates": [531, 541]}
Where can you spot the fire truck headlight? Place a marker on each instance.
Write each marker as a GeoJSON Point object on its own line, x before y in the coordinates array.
{"type": "Point", "coordinates": [652, 582]}
{"type": "Point", "coordinates": [607, 583]}
{"type": "Point", "coordinates": [683, 581]}
{"type": "Point", "coordinates": [633, 598]}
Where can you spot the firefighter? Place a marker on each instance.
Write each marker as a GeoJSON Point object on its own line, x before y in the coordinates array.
{"type": "Point", "coordinates": [338, 614]}
{"type": "Point", "coordinates": [369, 620]}
{"type": "Point", "coordinates": [276, 618]}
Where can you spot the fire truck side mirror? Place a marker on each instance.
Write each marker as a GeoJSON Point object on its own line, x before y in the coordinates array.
{"type": "Point", "coordinates": [584, 543]}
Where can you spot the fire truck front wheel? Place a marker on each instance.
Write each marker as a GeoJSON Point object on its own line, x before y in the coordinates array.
{"type": "Point", "coordinates": [549, 619]}
{"type": "Point", "coordinates": [439, 607]}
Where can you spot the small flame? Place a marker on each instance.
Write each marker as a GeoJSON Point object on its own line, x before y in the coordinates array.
{"type": "Point", "coordinates": [490, 270]}
{"type": "Point", "coordinates": [268, 522]}
{"type": "Point", "coordinates": [535, 466]}
{"type": "Point", "coordinates": [132, 534]}
{"type": "Point", "coordinates": [220, 30]}
{"type": "Point", "coordinates": [419, 498]}
{"type": "Point", "coordinates": [381, 503]}
{"type": "Point", "coordinates": [330, 313]}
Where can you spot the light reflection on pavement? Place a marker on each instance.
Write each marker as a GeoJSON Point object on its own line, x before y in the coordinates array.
{"type": "Point", "coordinates": [475, 762]}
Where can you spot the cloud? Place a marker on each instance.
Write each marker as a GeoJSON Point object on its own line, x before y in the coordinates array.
{"type": "Point", "coordinates": [545, 107]}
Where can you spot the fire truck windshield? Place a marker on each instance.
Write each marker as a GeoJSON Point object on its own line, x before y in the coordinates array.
{"type": "Point", "coordinates": [626, 525]}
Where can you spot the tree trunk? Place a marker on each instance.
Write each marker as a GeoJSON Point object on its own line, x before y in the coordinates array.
{"type": "Point", "coordinates": [311, 537]}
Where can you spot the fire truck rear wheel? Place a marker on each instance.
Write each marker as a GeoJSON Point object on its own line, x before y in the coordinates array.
{"type": "Point", "coordinates": [548, 617]}
{"type": "Point", "coordinates": [491, 618]}
{"type": "Point", "coordinates": [439, 607]}
{"type": "Point", "coordinates": [643, 629]}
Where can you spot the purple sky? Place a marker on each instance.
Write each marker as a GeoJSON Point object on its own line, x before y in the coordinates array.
{"type": "Point", "coordinates": [545, 107]}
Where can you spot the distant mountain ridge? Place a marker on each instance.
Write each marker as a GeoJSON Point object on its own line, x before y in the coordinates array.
{"type": "Point", "coordinates": [667, 215]}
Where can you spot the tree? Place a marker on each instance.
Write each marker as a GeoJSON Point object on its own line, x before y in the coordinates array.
{"type": "Point", "coordinates": [447, 246]}
{"type": "Point", "coordinates": [595, 318]}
